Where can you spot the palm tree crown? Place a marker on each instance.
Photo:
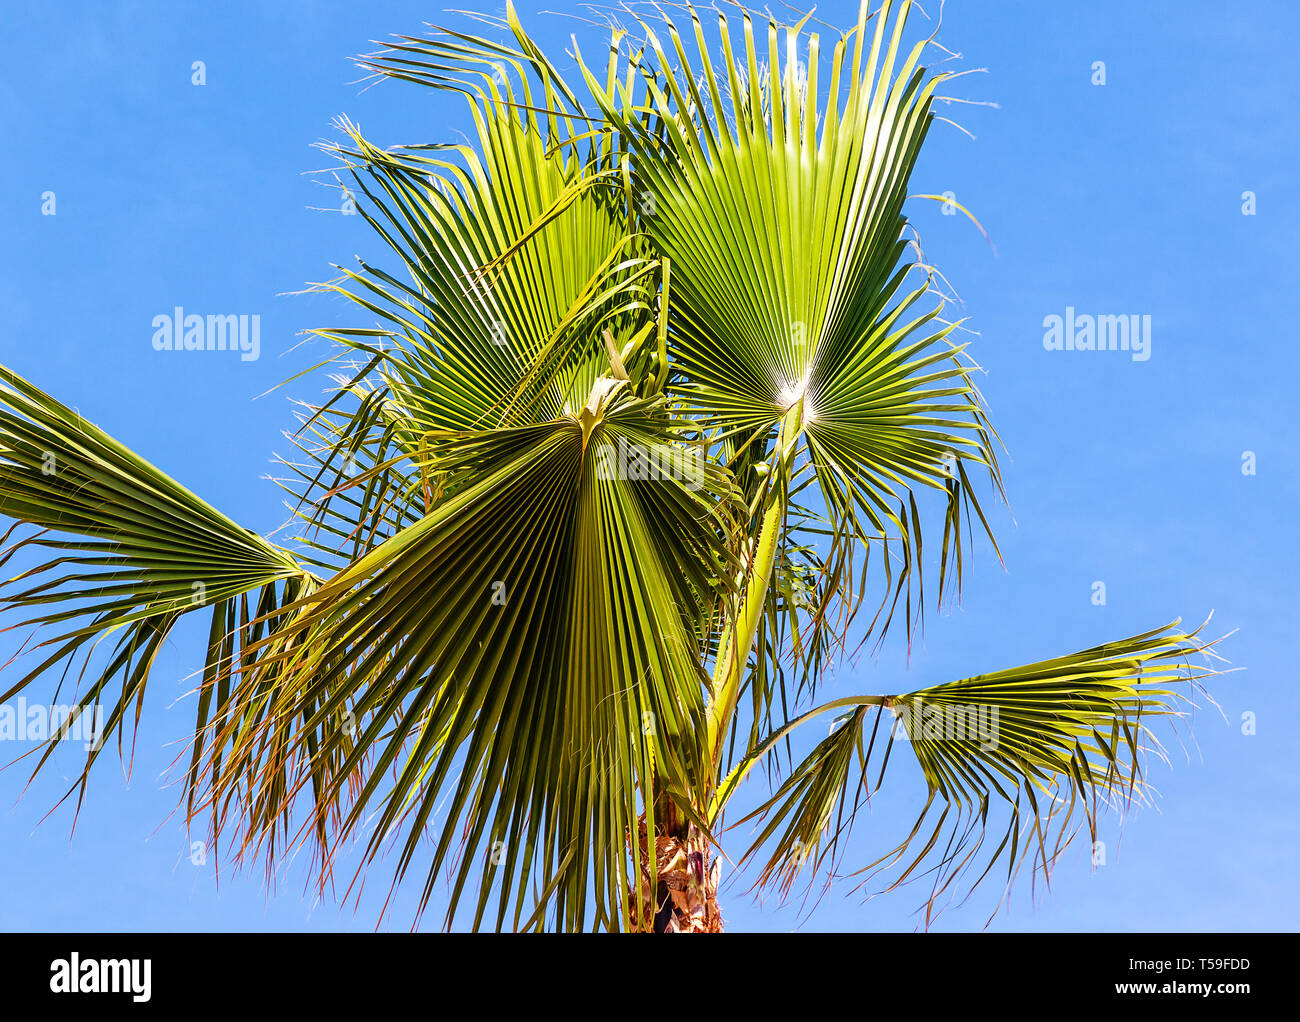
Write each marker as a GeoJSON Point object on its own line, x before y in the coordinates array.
{"type": "Point", "coordinates": [657, 396]}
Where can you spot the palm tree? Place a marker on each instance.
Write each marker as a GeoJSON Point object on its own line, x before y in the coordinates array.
{"type": "Point", "coordinates": [658, 395]}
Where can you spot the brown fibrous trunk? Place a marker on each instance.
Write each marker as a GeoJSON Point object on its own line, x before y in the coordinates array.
{"type": "Point", "coordinates": [684, 897]}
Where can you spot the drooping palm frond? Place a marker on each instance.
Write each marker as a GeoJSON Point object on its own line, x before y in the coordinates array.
{"type": "Point", "coordinates": [130, 552]}
{"type": "Point", "coordinates": [524, 660]}
{"type": "Point", "coordinates": [1045, 741]}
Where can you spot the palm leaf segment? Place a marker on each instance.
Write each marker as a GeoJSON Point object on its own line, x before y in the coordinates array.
{"type": "Point", "coordinates": [503, 324]}
{"type": "Point", "coordinates": [1047, 742]}
{"type": "Point", "coordinates": [499, 324]}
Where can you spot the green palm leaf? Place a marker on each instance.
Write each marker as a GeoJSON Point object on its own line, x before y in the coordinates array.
{"type": "Point", "coordinates": [782, 218]}
{"type": "Point", "coordinates": [131, 551]}
{"type": "Point", "coordinates": [1047, 740]}
{"type": "Point", "coordinates": [525, 659]}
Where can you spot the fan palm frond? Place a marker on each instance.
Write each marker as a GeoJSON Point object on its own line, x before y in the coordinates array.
{"type": "Point", "coordinates": [524, 659]}
{"type": "Point", "coordinates": [130, 552]}
{"type": "Point", "coordinates": [1047, 741]}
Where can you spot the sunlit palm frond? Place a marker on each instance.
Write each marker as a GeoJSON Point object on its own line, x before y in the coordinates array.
{"type": "Point", "coordinates": [781, 213]}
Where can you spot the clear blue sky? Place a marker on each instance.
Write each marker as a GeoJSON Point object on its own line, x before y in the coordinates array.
{"type": "Point", "coordinates": [1117, 199]}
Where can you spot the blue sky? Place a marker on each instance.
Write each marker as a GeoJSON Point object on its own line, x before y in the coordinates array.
{"type": "Point", "coordinates": [1122, 198]}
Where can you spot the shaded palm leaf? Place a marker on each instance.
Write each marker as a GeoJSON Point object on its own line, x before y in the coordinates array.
{"type": "Point", "coordinates": [131, 551]}
{"type": "Point", "coordinates": [524, 659]}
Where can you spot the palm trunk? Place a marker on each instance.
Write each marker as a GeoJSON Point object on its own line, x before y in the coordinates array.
{"type": "Point", "coordinates": [684, 896]}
